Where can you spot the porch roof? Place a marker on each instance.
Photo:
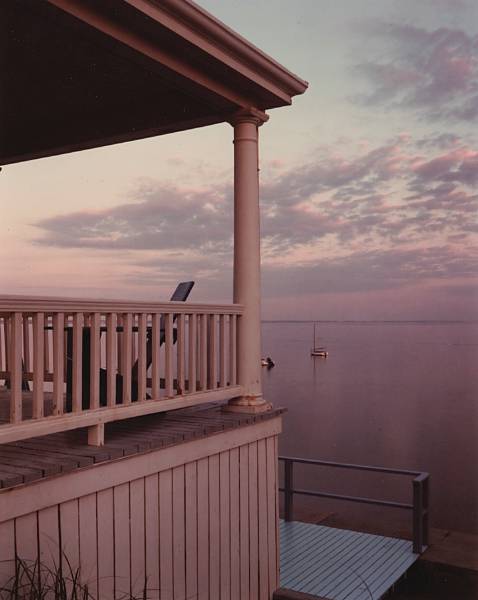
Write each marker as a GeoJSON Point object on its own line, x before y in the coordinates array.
{"type": "Point", "coordinates": [80, 74]}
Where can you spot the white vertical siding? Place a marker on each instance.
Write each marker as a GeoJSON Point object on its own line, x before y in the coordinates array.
{"type": "Point", "coordinates": [205, 529]}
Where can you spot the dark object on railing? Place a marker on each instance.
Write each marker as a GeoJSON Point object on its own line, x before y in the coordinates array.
{"type": "Point", "coordinates": [25, 384]}
{"type": "Point", "coordinates": [421, 494]}
{"type": "Point", "coordinates": [180, 294]}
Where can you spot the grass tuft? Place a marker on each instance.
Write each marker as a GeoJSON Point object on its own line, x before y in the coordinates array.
{"type": "Point", "coordinates": [33, 580]}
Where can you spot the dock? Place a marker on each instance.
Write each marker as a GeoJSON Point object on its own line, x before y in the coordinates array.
{"type": "Point", "coordinates": [338, 564]}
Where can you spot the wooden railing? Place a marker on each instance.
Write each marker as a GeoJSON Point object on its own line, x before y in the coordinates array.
{"type": "Point", "coordinates": [69, 363]}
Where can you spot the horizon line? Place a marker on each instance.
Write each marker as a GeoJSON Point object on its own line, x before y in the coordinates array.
{"type": "Point", "coordinates": [463, 321]}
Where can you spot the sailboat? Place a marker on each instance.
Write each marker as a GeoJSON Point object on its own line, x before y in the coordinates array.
{"type": "Point", "coordinates": [318, 350]}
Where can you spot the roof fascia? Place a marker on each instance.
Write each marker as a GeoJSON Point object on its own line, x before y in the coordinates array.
{"type": "Point", "coordinates": [202, 29]}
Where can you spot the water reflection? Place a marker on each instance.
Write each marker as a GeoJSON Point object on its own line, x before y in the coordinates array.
{"type": "Point", "coordinates": [396, 394]}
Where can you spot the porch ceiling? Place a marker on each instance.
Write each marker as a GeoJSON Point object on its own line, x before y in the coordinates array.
{"type": "Point", "coordinates": [79, 74]}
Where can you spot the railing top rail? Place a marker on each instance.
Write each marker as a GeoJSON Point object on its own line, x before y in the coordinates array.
{"type": "Point", "coordinates": [327, 463]}
{"type": "Point", "coordinates": [27, 304]}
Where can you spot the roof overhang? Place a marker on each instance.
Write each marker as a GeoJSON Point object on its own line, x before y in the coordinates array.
{"type": "Point", "coordinates": [79, 74]}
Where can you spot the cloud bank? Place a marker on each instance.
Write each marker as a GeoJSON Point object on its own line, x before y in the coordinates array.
{"type": "Point", "coordinates": [378, 218]}
{"type": "Point", "coordinates": [434, 73]}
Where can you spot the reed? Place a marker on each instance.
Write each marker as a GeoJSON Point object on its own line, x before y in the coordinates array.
{"type": "Point", "coordinates": [33, 580]}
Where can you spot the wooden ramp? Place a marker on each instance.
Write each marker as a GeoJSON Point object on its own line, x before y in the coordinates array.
{"type": "Point", "coordinates": [339, 564]}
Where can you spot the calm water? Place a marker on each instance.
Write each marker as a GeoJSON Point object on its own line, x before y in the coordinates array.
{"type": "Point", "coordinates": [393, 394]}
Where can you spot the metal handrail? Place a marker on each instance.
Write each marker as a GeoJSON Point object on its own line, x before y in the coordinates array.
{"type": "Point", "coordinates": [420, 488]}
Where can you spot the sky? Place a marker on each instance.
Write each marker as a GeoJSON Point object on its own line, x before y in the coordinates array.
{"type": "Point", "coordinates": [369, 181]}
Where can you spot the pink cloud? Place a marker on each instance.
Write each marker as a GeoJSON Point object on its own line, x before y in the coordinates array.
{"type": "Point", "coordinates": [459, 165]}
{"type": "Point", "coordinates": [434, 72]}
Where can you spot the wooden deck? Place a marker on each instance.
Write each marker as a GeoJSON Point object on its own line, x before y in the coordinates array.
{"type": "Point", "coordinates": [33, 459]}
{"type": "Point", "coordinates": [341, 565]}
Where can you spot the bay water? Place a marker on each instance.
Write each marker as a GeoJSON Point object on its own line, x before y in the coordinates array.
{"type": "Point", "coordinates": [393, 394]}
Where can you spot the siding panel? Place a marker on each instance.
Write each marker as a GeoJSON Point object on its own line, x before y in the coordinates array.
{"type": "Point", "coordinates": [166, 534]}
{"type": "Point", "coordinates": [235, 527]}
{"type": "Point", "coordinates": [191, 508]}
{"type": "Point", "coordinates": [203, 528]}
{"type": "Point", "coordinates": [224, 526]}
{"type": "Point", "coordinates": [49, 537]}
{"type": "Point", "coordinates": [88, 541]}
{"type": "Point", "coordinates": [48, 546]}
{"type": "Point", "coordinates": [271, 513]}
{"type": "Point", "coordinates": [106, 566]}
{"type": "Point", "coordinates": [26, 537]}
{"type": "Point", "coordinates": [262, 521]}
{"type": "Point", "coordinates": [244, 520]}
{"type": "Point", "coordinates": [137, 536]}
{"type": "Point", "coordinates": [214, 531]}
{"type": "Point", "coordinates": [7, 551]}
{"type": "Point", "coordinates": [151, 491]}
{"type": "Point", "coordinates": [179, 535]}
{"type": "Point", "coordinates": [70, 538]}
{"type": "Point", "coordinates": [253, 524]}
{"type": "Point", "coordinates": [122, 541]}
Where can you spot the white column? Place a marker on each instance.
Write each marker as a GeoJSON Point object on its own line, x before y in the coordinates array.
{"type": "Point", "coordinates": [247, 260]}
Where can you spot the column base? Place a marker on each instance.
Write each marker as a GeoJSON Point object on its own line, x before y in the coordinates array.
{"type": "Point", "coordinates": [247, 404]}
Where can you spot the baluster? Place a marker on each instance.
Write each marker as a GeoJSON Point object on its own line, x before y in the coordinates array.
{"type": "Point", "coordinates": [181, 357]}
{"type": "Point", "coordinates": [16, 368]}
{"type": "Point", "coordinates": [111, 358]}
{"type": "Point", "coordinates": [38, 364]}
{"type": "Point", "coordinates": [155, 346]}
{"type": "Point", "coordinates": [232, 349]}
{"type": "Point", "coordinates": [222, 351]}
{"type": "Point", "coordinates": [67, 331]}
{"type": "Point", "coordinates": [120, 344]}
{"type": "Point", "coordinates": [192, 323]}
{"type": "Point", "coordinates": [168, 349]}
{"type": "Point", "coordinates": [198, 348]}
{"type": "Point", "coordinates": [126, 348]}
{"type": "Point", "coordinates": [203, 352]}
{"type": "Point", "coordinates": [46, 346]}
{"type": "Point", "coordinates": [212, 356]}
{"type": "Point", "coordinates": [142, 358]}
{"type": "Point", "coordinates": [26, 345]}
{"type": "Point", "coordinates": [134, 340]}
{"type": "Point", "coordinates": [95, 359]}
{"type": "Point", "coordinates": [77, 362]}
{"type": "Point", "coordinates": [58, 373]}
{"type": "Point", "coordinates": [6, 336]}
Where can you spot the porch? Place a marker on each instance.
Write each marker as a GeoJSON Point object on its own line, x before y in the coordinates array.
{"type": "Point", "coordinates": [107, 461]}
{"type": "Point", "coordinates": [189, 70]}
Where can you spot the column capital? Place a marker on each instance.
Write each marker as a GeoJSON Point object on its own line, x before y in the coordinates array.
{"type": "Point", "coordinates": [249, 115]}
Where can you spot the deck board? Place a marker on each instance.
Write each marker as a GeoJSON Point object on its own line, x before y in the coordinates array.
{"type": "Point", "coordinates": [29, 460]}
{"type": "Point", "coordinates": [340, 564]}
